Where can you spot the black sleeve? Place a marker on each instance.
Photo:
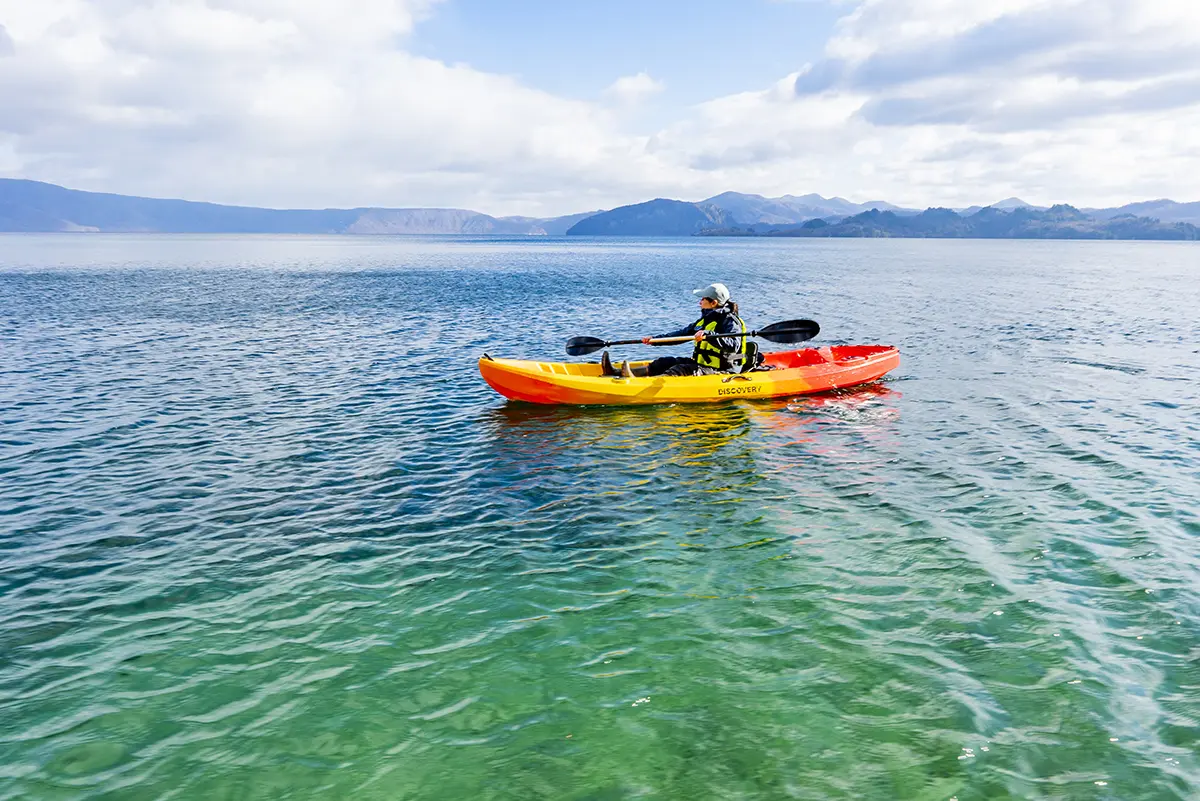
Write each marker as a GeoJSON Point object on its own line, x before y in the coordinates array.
{"type": "Point", "coordinates": [682, 332]}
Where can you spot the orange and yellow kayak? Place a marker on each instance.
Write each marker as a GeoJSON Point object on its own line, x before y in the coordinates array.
{"type": "Point", "coordinates": [797, 372]}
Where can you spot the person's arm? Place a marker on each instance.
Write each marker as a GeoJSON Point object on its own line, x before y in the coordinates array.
{"type": "Point", "coordinates": [686, 331]}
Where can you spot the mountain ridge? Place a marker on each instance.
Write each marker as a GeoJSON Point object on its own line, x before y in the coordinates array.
{"type": "Point", "coordinates": [34, 206]}
{"type": "Point", "coordinates": [1020, 222]}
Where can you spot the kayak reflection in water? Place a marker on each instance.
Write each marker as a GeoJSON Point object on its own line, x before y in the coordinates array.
{"type": "Point", "coordinates": [713, 353]}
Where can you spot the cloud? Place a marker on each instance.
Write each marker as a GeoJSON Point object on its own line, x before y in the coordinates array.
{"type": "Point", "coordinates": [1032, 104]}
{"type": "Point", "coordinates": [298, 103]}
{"type": "Point", "coordinates": [633, 89]}
{"type": "Point", "coordinates": [967, 96]}
{"type": "Point", "coordinates": [286, 104]}
{"type": "Point", "coordinates": [988, 63]}
{"type": "Point", "coordinates": [1004, 42]}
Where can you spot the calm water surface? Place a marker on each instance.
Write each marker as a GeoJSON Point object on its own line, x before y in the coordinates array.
{"type": "Point", "coordinates": [264, 533]}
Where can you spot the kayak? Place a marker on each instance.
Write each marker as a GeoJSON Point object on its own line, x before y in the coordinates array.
{"type": "Point", "coordinates": [795, 372]}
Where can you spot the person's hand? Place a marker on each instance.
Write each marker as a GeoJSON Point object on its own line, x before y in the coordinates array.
{"type": "Point", "coordinates": [700, 335]}
{"type": "Point", "coordinates": [646, 340]}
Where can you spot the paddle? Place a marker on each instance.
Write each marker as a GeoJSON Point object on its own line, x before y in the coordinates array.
{"type": "Point", "coordinates": [787, 332]}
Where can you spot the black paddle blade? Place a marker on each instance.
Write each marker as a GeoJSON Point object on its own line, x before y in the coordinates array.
{"type": "Point", "coordinates": [581, 346]}
{"type": "Point", "coordinates": [790, 331]}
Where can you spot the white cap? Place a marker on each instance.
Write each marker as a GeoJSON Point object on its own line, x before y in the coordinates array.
{"type": "Point", "coordinates": [717, 292]}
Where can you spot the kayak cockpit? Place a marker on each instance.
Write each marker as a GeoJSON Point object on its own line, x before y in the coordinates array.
{"type": "Point", "coordinates": [585, 369]}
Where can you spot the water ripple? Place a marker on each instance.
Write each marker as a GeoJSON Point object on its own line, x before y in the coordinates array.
{"type": "Point", "coordinates": [264, 532]}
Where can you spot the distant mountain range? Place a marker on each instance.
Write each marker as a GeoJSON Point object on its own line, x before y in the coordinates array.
{"type": "Point", "coordinates": [35, 206]}
{"type": "Point", "coordinates": [734, 214]}
{"type": "Point", "coordinates": [1022, 222]}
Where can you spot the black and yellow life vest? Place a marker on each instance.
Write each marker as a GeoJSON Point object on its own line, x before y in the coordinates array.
{"type": "Point", "coordinates": [709, 354]}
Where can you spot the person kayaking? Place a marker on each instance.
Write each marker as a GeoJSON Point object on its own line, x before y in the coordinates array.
{"type": "Point", "coordinates": [712, 354]}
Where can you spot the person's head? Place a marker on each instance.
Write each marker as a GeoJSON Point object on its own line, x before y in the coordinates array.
{"type": "Point", "coordinates": [712, 296]}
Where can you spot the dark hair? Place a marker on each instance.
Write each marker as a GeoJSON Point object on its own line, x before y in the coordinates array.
{"type": "Point", "coordinates": [732, 304]}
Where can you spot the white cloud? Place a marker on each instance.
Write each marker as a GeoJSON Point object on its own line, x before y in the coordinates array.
{"type": "Point", "coordinates": [938, 101]}
{"type": "Point", "coordinates": [289, 103]}
{"type": "Point", "coordinates": [633, 89]}
{"type": "Point", "coordinates": [299, 103]}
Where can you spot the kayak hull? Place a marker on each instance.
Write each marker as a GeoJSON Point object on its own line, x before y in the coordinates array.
{"type": "Point", "coordinates": [797, 372]}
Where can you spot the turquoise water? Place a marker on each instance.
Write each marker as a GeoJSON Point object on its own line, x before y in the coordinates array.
{"type": "Point", "coordinates": [264, 533]}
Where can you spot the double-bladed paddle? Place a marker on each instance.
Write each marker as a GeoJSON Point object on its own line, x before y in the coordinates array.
{"type": "Point", "coordinates": [786, 332]}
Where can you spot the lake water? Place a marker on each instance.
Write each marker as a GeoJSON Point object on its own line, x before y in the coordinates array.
{"type": "Point", "coordinates": [264, 532]}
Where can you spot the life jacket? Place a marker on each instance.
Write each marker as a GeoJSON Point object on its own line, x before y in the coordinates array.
{"type": "Point", "coordinates": [709, 354]}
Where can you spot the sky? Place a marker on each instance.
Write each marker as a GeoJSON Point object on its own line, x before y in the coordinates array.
{"type": "Point", "coordinates": [544, 108]}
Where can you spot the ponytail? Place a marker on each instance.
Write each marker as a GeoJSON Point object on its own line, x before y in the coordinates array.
{"type": "Point", "coordinates": [733, 307]}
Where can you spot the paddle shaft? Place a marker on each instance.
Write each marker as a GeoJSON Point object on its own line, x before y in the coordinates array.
{"type": "Point", "coordinates": [677, 340]}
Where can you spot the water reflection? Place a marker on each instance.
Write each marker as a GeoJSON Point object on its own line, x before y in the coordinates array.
{"type": "Point", "coordinates": [610, 474]}
{"type": "Point", "coordinates": [707, 474]}
{"type": "Point", "coordinates": [869, 403]}
{"type": "Point", "coordinates": [536, 435]}
{"type": "Point", "coordinates": [705, 441]}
